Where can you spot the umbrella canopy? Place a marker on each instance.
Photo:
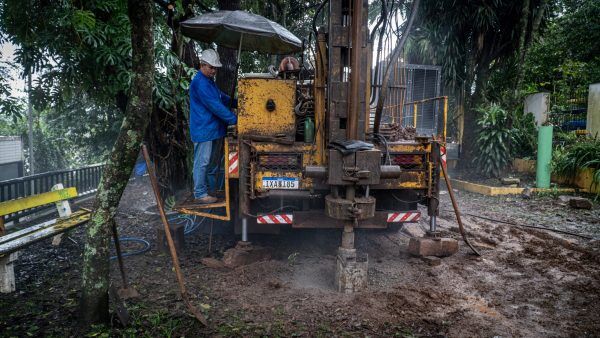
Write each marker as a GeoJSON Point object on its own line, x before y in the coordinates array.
{"type": "Point", "coordinates": [229, 28]}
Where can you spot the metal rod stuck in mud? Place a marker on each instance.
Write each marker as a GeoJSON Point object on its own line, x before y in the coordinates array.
{"type": "Point", "coordinates": [456, 211]}
{"type": "Point", "coordinates": [184, 295]}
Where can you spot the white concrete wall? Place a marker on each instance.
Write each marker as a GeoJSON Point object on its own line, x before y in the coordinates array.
{"type": "Point", "coordinates": [11, 149]}
{"type": "Point", "coordinates": [538, 104]}
{"type": "Point", "coordinates": [593, 111]}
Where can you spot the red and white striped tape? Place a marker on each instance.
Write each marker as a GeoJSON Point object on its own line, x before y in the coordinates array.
{"type": "Point", "coordinates": [275, 219]}
{"type": "Point", "coordinates": [233, 162]}
{"type": "Point", "coordinates": [443, 153]}
{"type": "Point", "coordinates": [409, 216]}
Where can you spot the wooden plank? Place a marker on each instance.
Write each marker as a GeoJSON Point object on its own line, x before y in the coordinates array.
{"type": "Point", "coordinates": [36, 227]}
{"type": "Point", "coordinates": [59, 227]}
{"type": "Point", "coordinates": [26, 231]}
{"type": "Point", "coordinates": [10, 207]}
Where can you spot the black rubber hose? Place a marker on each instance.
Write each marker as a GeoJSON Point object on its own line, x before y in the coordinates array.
{"type": "Point", "coordinates": [530, 226]}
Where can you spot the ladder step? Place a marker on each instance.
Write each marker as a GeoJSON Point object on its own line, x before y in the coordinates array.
{"type": "Point", "coordinates": [219, 204]}
{"type": "Point", "coordinates": [189, 203]}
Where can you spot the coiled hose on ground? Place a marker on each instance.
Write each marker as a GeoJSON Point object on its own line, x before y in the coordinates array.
{"type": "Point", "coordinates": [191, 224]}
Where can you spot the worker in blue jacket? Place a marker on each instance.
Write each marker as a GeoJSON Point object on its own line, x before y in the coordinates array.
{"type": "Point", "coordinates": [209, 117]}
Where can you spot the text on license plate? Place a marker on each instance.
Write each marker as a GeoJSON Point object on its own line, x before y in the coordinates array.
{"type": "Point", "coordinates": [280, 183]}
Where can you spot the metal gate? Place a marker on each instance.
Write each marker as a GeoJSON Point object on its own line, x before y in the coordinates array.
{"type": "Point", "coordinates": [408, 84]}
{"type": "Point", "coordinates": [423, 83]}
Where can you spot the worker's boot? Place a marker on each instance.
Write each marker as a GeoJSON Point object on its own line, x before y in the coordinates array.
{"type": "Point", "coordinates": [205, 200]}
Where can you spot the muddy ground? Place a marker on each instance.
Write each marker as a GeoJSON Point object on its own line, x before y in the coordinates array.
{"type": "Point", "coordinates": [528, 283]}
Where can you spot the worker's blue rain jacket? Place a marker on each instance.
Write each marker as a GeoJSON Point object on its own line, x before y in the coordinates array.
{"type": "Point", "coordinates": [209, 113]}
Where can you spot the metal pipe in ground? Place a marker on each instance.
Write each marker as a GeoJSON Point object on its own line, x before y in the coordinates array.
{"type": "Point", "coordinates": [457, 212]}
{"type": "Point", "coordinates": [184, 295]}
{"type": "Point", "coordinates": [244, 229]}
{"type": "Point", "coordinates": [119, 256]}
{"type": "Point", "coordinates": [432, 223]}
{"type": "Point", "coordinates": [348, 234]}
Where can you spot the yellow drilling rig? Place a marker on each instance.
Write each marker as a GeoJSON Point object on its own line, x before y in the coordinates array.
{"type": "Point", "coordinates": [311, 151]}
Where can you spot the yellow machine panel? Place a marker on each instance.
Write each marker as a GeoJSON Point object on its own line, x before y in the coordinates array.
{"type": "Point", "coordinates": [266, 107]}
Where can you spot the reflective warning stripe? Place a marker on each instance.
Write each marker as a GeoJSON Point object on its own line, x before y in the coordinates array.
{"type": "Point", "coordinates": [275, 219]}
{"type": "Point", "coordinates": [409, 216]}
{"type": "Point", "coordinates": [443, 152]}
{"type": "Point", "coordinates": [233, 162]}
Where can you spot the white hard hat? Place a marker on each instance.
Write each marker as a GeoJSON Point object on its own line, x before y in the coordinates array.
{"type": "Point", "coordinates": [211, 57]}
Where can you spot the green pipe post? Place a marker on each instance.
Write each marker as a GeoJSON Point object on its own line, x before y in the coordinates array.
{"type": "Point", "coordinates": [544, 156]}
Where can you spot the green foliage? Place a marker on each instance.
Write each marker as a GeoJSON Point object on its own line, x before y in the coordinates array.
{"type": "Point", "coordinates": [579, 155]}
{"type": "Point", "coordinates": [146, 322]}
{"type": "Point", "coordinates": [10, 106]}
{"type": "Point", "coordinates": [81, 57]}
{"type": "Point", "coordinates": [460, 31]}
{"type": "Point", "coordinates": [525, 134]}
{"type": "Point", "coordinates": [563, 139]}
{"type": "Point", "coordinates": [494, 139]}
{"type": "Point", "coordinates": [292, 258]}
{"type": "Point", "coordinates": [56, 147]}
{"type": "Point", "coordinates": [567, 57]}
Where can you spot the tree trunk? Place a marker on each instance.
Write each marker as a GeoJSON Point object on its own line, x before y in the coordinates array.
{"type": "Point", "coordinates": [95, 277]}
{"type": "Point", "coordinates": [524, 47]}
{"type": "Point", "coordinates": [459, 94]}
{"type": "Point", "coordinates": [226, 75]}
{"type": "Point", "coordinates": [168, 133]}
{"type": "Point", "coordinates": [524, 22]}
{"type": "Point", "coordinates": [472, 102]}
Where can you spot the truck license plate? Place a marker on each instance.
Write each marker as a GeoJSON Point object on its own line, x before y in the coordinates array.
{"type": "Point", "coordinates": [280, 183]}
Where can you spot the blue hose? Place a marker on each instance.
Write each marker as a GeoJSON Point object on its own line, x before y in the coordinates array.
{"type": "Point", "coordinates": [191, 223]}
{"type": "Point", "coordinates": [190, 226]}
{"type": "Point", "coordinates": [145, 249]}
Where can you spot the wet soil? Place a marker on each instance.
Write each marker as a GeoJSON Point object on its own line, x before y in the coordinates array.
{"type": "Point", "coordinates": [528, 283]}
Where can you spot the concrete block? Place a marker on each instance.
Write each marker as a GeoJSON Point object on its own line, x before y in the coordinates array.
{"type": "Point", "coordinates": [538, 105]}
{"type": "Point", "coordinates": [510, 181]}
{"type": "Point", "coordinates": [593, 111]}
{"type": "Point", "coordinates": [351, 271]}
{"type": "Point", "coordinates": [580, 203]}
{"type": "Point", "coordinates": [439, 247]}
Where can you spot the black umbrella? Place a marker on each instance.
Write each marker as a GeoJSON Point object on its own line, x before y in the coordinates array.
{"type": "Point", "coordinates": [243, 31]}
